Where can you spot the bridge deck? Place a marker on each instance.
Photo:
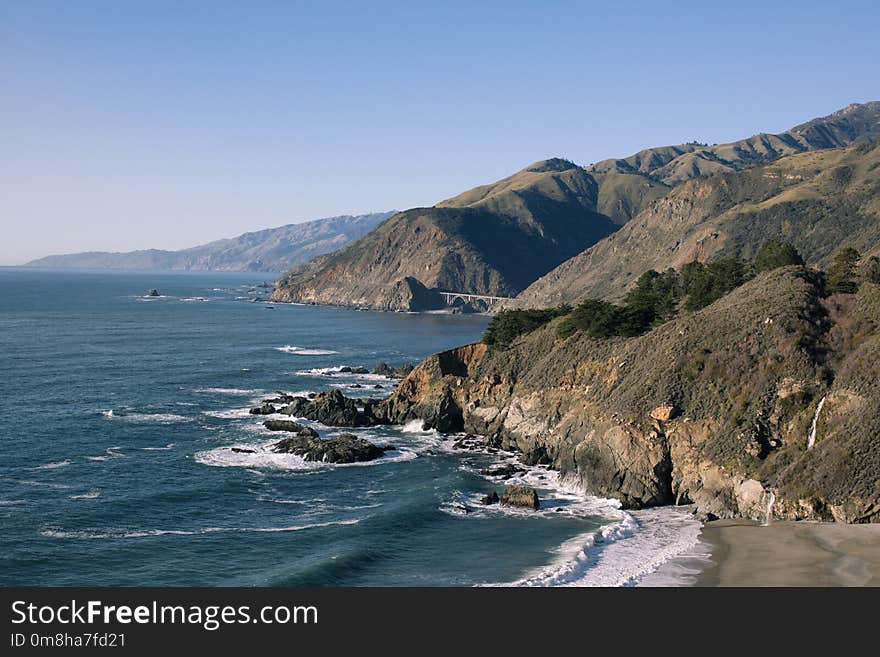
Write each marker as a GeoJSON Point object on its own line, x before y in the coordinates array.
{"type": "Point", "coordinates": [466, 296]}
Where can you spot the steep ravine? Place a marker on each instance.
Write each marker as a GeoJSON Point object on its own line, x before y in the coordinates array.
{"type": "Point", "coordinates": [713, 408]}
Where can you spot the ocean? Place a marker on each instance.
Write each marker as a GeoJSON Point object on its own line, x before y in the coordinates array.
{"type": "Point", "coordinates": [120, 411]}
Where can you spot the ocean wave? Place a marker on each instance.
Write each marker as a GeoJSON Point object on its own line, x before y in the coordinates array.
{"type": "Point", "coordinates": [147, 533]}
{"type": "Point", "coordinates": [230, 391]}
{"type": "Point", "coordinates": [229, 413]}
{"type": "Point", "coordinates": [336, 372]}
{"type": "Point", "coordinates": [158, 449]}
{"type": "Point", "coordinates": [624, 551]}
{"type": "Point", "coordinates": [302, 351]}
{"type": "Point", "coordinates": [12, 502]}
{"type": "Point", "coordinates": [55, 465]}
{"type": "Point", "coordinates": [620, 554]}
{"type": "Point", "coordinates": [153, 418]}
{"type": "Point", "coordinates": [91, 495]}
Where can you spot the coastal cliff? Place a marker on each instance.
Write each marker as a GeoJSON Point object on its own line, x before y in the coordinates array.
{"type": "Point", "coordinates": [493, 240]}
{"type": "Point", "coordinates": [715, 408]}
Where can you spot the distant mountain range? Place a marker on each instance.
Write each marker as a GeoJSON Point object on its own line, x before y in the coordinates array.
{"type": "Point", "coordinates": [673, 202]}
{"type": "Point", "coordinates": [271, 250]}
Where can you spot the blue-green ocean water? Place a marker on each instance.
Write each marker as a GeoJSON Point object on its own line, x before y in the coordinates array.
{"type": "Point", "coordinates": [152, 495]}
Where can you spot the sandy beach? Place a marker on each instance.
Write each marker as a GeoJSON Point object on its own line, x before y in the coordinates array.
{"type": "Point", "coordinates": [744, 553]}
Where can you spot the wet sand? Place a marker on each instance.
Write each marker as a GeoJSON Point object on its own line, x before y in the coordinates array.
{"type": "Point", "coordinates": [744, 553]}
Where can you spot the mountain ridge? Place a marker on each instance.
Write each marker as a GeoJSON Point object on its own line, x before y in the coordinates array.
{"type": "Point", "coordinates": [491, 240]}
{"type": "Point", "coordinates": [270, 249]}
{"type": "Point", "coordinates": [817, 200]}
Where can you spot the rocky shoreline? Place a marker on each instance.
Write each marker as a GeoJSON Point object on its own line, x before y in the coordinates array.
{"type": "Point", "coordinates": [712, 410]}
{"type": "Point", "coordinates": [332, 408]}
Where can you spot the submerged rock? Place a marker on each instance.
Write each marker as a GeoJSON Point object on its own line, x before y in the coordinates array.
{"type": "Point", "coordinates": [242, 450]}
{"type": "Point", "coordinates": [491, 498]}
{"type": "Point", "coordinates": [345, 448]}
{"type": "Point", "coordinates": [523, 497]}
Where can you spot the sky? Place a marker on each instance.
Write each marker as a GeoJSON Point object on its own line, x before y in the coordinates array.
{"type": "Point", "coordinates": [154, 124]}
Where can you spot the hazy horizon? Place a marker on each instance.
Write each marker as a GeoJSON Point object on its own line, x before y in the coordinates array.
{"type": "Point", "coordinates": [163, 126]}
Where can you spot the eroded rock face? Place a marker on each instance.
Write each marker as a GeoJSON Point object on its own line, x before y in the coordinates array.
{"type": "Point", "coordinates": [345, 448]}
{"type": "Point", "coordinates": [712, 408]}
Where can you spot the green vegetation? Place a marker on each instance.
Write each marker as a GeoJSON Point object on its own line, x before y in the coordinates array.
{"type": "Point", "coordinates": [776, 254]}
{"type": "Point", "coordinates": [657, 297]}
{"type": "Point", "coordinates": [841, 275]}
{"type": "Point", "coordinates": [871, 270]}
{"type": "Point", "coordinates": [508, 325]}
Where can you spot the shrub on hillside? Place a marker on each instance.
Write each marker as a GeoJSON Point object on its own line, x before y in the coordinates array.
{"type": "Point", "coordinates": [508, 325]}
{"type": "Point", "coordinates": [775, 254]}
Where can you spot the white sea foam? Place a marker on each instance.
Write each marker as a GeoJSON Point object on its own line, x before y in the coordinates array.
{"type": "Point", "coordinates": [229, 413]}
{"type": "Point", "coordinates": [264, 457]}
{"type": "Point", "coordinates": [108, 413]}
{"type": "Point", "coordinates": [230, 391]}
{"type": "Point", "coordinates": [302, 351]}
{"type": "Point", "coordinates": [91, 495]}
{"type": "Point", "coordinates": [158, 449]}
{"type": "Point", "coordinates": [154, 418]}
{"type": "Point", "coordinates": [55, 465]}
{"type": "Point", "coordinates": [624, 551]}
{"type": "Point", "coordinates": [146, 533]}
{"type": "Point", "coordinates": [12, 502]}
{"type": "Point", "coordinates": [414, 426]}
{"type": "Point", "coordinates": [336, 372]}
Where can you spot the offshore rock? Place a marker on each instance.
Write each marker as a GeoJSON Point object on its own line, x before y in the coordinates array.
{"type": "Point", "coordinates": [345, 448]}
{"type": "Point", "coordinates": [331, 408]}
{"type": "Point", "coordinates": [523, 497]}
{"type": "Point", "coordinates": [290, 425]}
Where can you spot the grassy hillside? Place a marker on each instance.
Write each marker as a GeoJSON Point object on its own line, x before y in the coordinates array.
{"type": "Point", "coordinates": [818, 201]}
{"type": "Point", "coordinates": [712, 407]}
{"type": "Point", "coordinates": [492, 240]}
{"type": "Point", "coordinates": [671, 165]}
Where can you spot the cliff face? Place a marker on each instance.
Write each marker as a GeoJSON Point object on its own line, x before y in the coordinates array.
{"type": "Point", "coordinates": [819, 202]}
{"type": "Point", "coordinates": [714, 408]}
{"type": "Point", "coordinates": [493, 240]}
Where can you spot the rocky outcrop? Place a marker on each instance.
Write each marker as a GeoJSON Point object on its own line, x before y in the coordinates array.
{"type": "Point", "coordinates": [713, 408]}
{"type": "Point", "coordinates": [344, 448]}
{"type": "Point", "coordinates": [522, 497]}
{"type": "Point", "coordinates": [291, 426]}
{"type": "Point", "coordinates": [264, 409]}
{"type": "Point", "coordinates": [333, 409]}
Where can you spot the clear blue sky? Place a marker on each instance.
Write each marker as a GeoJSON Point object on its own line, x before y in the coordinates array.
{"type": "Point", "coordinates": [166, 124]}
